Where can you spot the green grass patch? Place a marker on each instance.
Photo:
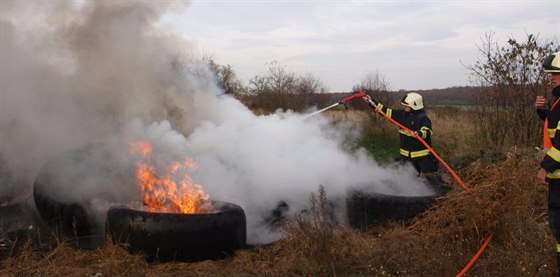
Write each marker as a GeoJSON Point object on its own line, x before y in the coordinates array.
{"type": "Point", "coordinates": [382, 147]}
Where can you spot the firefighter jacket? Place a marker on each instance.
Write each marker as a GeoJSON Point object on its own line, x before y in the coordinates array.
{"type": "Point", "coordinates": [551, 118]}
{"type": "Point", "coordinates": [418, 121]}
{"type": "Point", "coordinates": [551, 162]}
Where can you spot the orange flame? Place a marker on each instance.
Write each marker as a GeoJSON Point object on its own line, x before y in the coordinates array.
{"type": "Point", "coordinates": [170, 190]}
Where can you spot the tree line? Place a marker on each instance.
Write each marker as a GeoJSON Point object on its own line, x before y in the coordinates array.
{"type": "Point", "coordinates": [504, 82]}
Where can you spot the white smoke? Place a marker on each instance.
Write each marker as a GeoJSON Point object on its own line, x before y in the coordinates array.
{"type": "Point", "coordinates": [103, 71]}
{"type": "Point", "coordinates": [259, 161]}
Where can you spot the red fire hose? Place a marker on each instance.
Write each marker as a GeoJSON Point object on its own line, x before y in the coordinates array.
{"type": "Point", "coordinates": [489, 238]}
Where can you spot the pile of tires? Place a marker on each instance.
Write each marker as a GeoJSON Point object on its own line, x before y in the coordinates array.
{"type": "Point", "coordinates": [81, 195]}
{"type": "Point", "coordinates": [163, 237]}
{"type": "Point", "coordinates": [368, 209]}
{"type": "Point", "coordinates": [67, 187]}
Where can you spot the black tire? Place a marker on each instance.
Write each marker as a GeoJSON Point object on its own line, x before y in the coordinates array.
{"type": "Point", "coordinates": [67, 187]}
{"type": "Point", "coordinates": [372, 209]}
{"type": "Point", "coordinates": [69, 222]}
{"type": "Point", "coordinates": [163, 237]}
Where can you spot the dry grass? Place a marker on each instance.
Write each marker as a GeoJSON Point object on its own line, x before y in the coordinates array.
{"type": "Point", "coordinates": [454, 135]}
{"type": "Point", "coordinates": [504, 199]}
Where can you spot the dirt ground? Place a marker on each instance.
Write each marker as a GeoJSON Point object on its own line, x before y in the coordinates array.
{"type": "Point", "coordinates": [504, 200]}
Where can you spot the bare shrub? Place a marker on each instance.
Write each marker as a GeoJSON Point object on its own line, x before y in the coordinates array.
{"type": "Point", "coordinates": [510, 77]}
{"type": "Point", "coordinates": [375, 85]}
{"type": "Point", "coordinates": [226, 76]}
{"type": "Point", "coordinates": [281, 88]}
{"type": "Point", "coordinates": [315, 230]}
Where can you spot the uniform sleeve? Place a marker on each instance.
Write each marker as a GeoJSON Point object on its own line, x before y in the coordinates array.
{"type": "Point", "coordinates": [378, 106]}
{"type": "Point", "coordinates": [425, 130]}
{"type": "Point", "coordinates": [551, 161]}
{"type": "Point", "coordinates": [397, 115]}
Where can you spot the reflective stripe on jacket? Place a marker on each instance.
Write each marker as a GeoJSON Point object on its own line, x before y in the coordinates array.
{"type": "Point", "coordinates": [554, 154]}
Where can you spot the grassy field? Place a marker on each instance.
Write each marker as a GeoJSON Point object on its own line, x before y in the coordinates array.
{"type": "Point", "coordinates": [454, 137]}
{"type": "Point", "coordinates": [503, 199]}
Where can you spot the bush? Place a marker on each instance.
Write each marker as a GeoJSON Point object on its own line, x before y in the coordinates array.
{"type": "Point", "coordinates": [509, 78]}
{"type": "Point", "coordinates": [282, 89]}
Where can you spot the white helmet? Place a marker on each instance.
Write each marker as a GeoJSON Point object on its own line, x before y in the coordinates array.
{"type": "Point", "coordinates": [413, 100]}
{"type": "Point", "coordinates": [552, 63]}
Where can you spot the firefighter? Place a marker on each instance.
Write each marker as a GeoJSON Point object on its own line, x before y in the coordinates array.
{"type": "Point", "coordinates": [546, 112]}
{"type": "Point", "coordinates": [550, 164]}
{"type": "Point", "coordinates": [414, 117]}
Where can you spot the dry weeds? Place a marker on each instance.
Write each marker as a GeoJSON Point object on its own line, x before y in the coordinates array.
{"type": "Point", "coordinates": [504, 199]}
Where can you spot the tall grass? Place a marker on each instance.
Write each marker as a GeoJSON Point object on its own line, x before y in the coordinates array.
{"type": "Point", "coordinates": [455, 137]}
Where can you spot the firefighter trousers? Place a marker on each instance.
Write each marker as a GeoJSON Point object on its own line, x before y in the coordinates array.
{"type": "Point", "coordinates": [554, 215]}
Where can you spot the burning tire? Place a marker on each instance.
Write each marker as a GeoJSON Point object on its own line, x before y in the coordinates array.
{"type": "Point", "coordinates": [372, 209]}
{"type": "Point", "coordinates": [166, 237]}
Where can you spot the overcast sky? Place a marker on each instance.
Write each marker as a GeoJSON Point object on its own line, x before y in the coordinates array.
{"type": "Point", "coordinates": [413, 44]}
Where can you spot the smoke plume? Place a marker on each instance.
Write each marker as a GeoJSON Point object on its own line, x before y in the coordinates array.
{"type": "Point", "coordinates": [75, 73]}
